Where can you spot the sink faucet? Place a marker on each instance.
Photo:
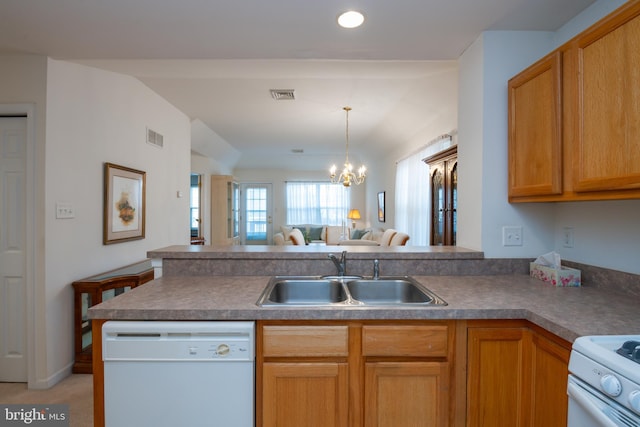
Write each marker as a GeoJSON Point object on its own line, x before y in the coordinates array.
{"type": "Point", "coordinates": [340, 265]}
{"type": "Point", "coordinates": [376, 269]}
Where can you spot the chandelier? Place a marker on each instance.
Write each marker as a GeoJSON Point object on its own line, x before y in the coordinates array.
{"type": "Point", "coordinates": [347, 176]}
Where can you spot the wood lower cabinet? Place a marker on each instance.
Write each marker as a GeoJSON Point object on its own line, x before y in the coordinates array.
{"type": "Point", "coordinates": [373, 374]}
{"type": "Point", "coordinates": [550, 370]}
{"type": "Point", "coordinates": [305, 394]}
{"type": "Point", "coordinates": [517, 375]}
{"type": "Point", "coordinates": [497, 378]}
{"type": "Point", "coordinates": [406, 394]}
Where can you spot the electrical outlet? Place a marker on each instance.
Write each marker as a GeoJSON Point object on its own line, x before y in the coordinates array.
{"type": "Point", "coordinates": [65, 210]}
{"type": "Point", "coordinates": [567, 237]}
{"type": "Point", "coordinates": [512, 235]}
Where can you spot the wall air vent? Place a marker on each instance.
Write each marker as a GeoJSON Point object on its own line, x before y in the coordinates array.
{"type": "Point", "coordinates": [297, 151]}
{"type": "Point", "coordinates": [283, 94]}
{"type": "Point", "coordinates": [154, 138]}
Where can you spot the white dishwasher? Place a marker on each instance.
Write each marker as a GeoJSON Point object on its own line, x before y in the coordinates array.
{"type": "Point", "coordinates": [178, 373]}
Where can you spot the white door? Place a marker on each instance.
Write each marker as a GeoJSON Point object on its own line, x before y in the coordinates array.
{"type": "Point", "coordinates": [13, 331]}
{"type": "Point", "coordinates": [256, 214]}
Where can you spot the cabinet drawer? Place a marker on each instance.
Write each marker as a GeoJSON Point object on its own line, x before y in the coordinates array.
{"type": "Point", "coordinates": [405, 340]}
{"type": "Point", "coordinates": [301, 341]}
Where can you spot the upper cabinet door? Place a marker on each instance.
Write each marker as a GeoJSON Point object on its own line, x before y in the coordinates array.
{"type": "Point", "coordinates": [607, 139]}
{"type": "Point", "coordinates": [574, 117]}
{"type": "Point", "coordinates": [535, 129]}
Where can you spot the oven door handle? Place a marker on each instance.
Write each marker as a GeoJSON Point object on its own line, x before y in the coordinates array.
{"type": "Point", "coordinates": [581, 397]}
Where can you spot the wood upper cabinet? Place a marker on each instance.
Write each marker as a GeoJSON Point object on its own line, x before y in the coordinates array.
{"type": "Point", "coordinates": [535, 129]}
{"type": "Point", "coordinates": [574, 117]}
{"type": "Point", "coordinates": [607, 104]}
{"type": "Point", "coordinates": [373, 374]}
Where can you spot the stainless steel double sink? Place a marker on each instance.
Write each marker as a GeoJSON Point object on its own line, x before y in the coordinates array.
{"type": "Point", "coordinates": [287, 291]}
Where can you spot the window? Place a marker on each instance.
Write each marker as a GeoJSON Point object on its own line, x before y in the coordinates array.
{"type": "Point", "coordinates": [256, 213]}
{"type": "Point", "coordinates": [194, 205]}
{"type": "Point", "coordinates": [412, 198]}
{"type": "Point", "coordinates": [316, 203]}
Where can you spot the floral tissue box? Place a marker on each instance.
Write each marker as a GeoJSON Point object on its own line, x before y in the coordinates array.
{"type": "Point", "coordinates": [564, 276]}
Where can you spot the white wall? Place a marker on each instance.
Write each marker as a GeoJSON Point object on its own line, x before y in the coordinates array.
{"type": "Point", "coordinates": [382, 177]}
{"type": "Point", "coordinates": [470, 165]}
{"type": "Point", "coordinates": [437, 94]}
{"type": "Point", "coordinates": [93, 117]}
{"type": "Point", "coordinates": [203, 166]}
{"type": "Point", "coordinates": [485, 69]}
{"type": "Point", "coordinates": [608, 231]}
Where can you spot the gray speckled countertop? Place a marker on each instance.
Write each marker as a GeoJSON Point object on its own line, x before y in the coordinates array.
{"type": "Point", "coordinates": [567, 312]}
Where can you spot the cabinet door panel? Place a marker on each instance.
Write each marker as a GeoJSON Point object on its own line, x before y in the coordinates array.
{"type": "Point", "coordinates": [535, 129]}
{"type": "Point", "coordinates": [607, 153]}
{"type": "Point", "coordinates": [305, 394]}
{"type": "Point", "coordinates": [549, 383]}
{"type": "Point", "coordinates": [499, 372]}
{"type": "Point", "coordinates": [406, 394]}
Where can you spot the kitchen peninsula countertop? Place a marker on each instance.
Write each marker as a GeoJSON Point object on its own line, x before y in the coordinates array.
{"type": "Point", "coordinates": [566, 312]}
{"type": "Point", "coordinates": [312, 251]}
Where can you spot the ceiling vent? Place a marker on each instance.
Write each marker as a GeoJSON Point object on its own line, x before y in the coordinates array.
{"type": "Point", "coordinates": [297, 151]}
{"type": "Point", "coordinates": [283, 94]}
{"type": "Point", "coordinates": [154, 138]}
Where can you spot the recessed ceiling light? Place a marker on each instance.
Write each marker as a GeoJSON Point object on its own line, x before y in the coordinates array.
{"type": "Point", "coordinates": [350, 19]}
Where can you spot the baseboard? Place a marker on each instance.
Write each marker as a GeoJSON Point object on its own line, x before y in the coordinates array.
{"type": "Point", "coordinates": [52, 380]}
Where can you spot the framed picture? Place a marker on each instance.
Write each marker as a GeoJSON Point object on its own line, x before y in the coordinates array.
{"type": "Point", "coordinates": [381, 206]}
{"type": "Point", "coordinates": [124, 204]}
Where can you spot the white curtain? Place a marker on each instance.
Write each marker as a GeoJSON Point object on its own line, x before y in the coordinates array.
{"type": "Point", "coordinates": [412, 198]}
{"type": "Point", "coordinates": [316, 203]}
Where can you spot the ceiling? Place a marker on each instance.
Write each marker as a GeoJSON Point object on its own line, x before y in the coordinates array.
{"type": "Point", "coordinates": [216, 60]}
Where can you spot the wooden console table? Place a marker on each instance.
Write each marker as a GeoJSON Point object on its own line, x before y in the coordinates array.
{"type": "Point", "coordinates": [93, 290]}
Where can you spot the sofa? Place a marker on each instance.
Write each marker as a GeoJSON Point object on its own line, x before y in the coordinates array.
{"type": "Point", "coordinates": [311, 233]}
{"type": "Point", "coordinates": [335, 235]}
{"type": "Point", "coordinates": [388, 237]}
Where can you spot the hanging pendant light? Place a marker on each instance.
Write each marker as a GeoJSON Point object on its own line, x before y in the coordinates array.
{"type": "Point", "coordinates": [347, 176]}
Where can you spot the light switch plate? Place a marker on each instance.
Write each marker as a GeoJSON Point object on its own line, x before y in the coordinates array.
{"type": "Point", "coordinates": [512, 235]}
{"type": "Point", "coordinates": [65, 210]}
{"type": "Point", "coordinates": [567, 237]}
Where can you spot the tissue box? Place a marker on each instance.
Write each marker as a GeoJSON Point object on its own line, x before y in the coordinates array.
{"type": "Point", "coordinates": [564, 276]}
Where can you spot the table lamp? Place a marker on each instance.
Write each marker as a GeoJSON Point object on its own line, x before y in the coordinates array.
{"type": "Point", "coordinates": [353, 215]}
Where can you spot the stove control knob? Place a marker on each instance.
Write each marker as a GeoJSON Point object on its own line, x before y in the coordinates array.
{"type": "Point", "coordinates": [634, 400]}
{"type": "Point", "coordinates": [611, 385]}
